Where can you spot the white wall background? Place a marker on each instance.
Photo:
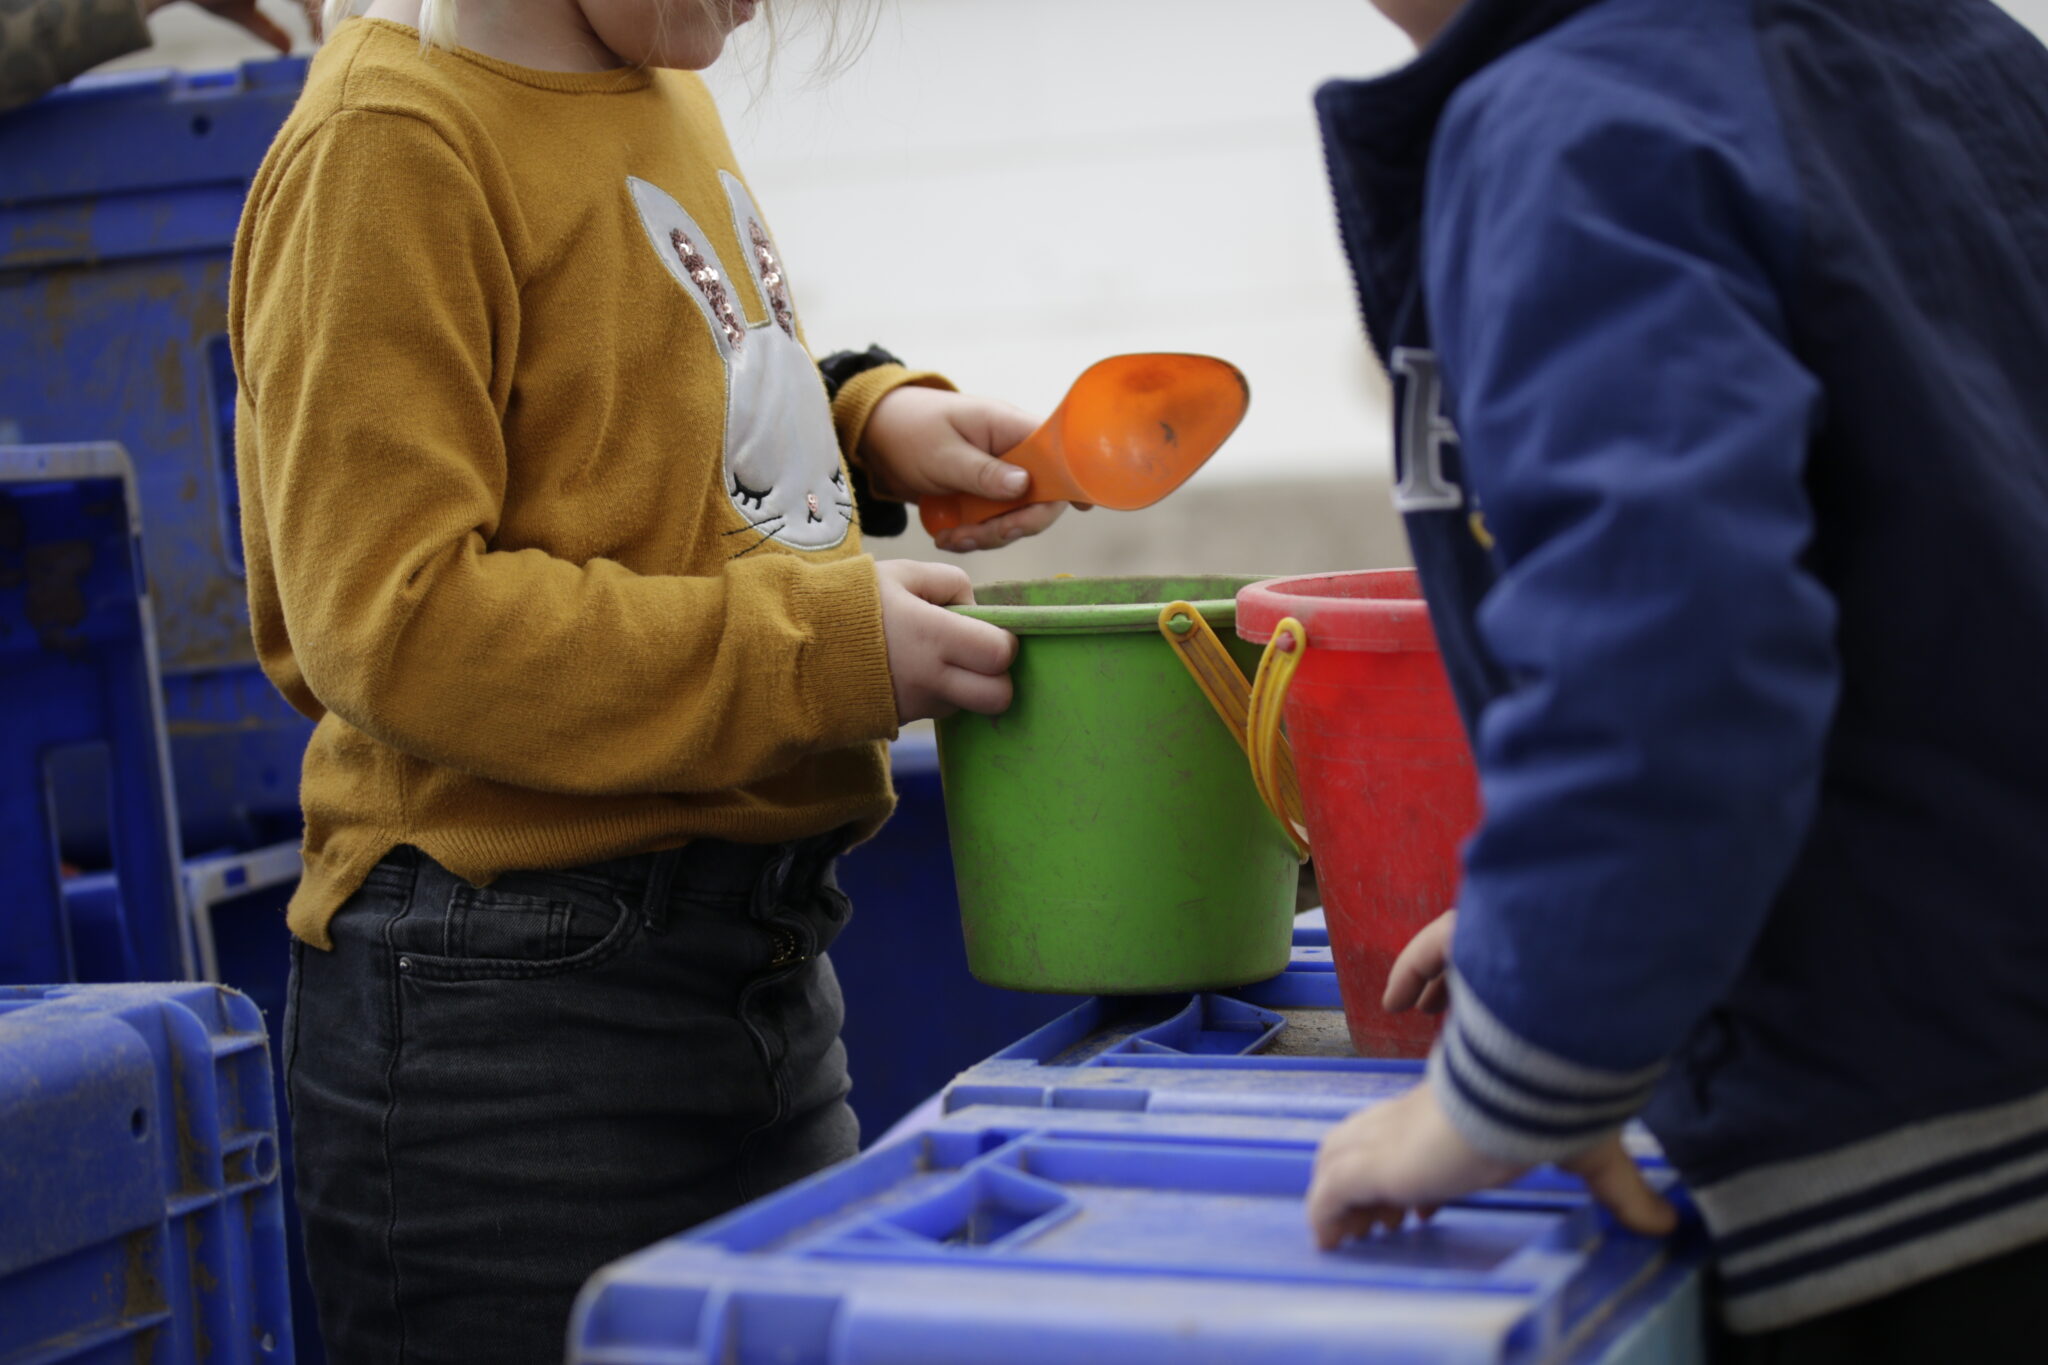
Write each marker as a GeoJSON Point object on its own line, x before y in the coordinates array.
{"type": "Point", "coordinates": [1011, 189]}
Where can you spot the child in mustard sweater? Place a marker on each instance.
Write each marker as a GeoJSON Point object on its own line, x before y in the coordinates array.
{"type": "Point", "coordinates": [547, 525]}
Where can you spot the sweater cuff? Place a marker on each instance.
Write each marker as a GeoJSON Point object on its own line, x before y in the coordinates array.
{"type": "Point", "coordinates": [1518, 1103]}
{"type": "Point", "coordinates": [842, 670]}
{"type": "Point", "coordinates": [858, 397]}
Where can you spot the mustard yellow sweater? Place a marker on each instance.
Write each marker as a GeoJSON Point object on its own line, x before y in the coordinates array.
{"type": "Point", "coordinates": [543, 504]}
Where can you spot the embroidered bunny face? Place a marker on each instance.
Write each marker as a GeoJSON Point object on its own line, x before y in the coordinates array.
{"type": "Point", "coordinates": [782, 469]}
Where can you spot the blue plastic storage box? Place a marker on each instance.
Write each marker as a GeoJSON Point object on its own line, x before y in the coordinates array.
{"type": "Point", "coordinates": [1007, 1237]}
{"type": "Point", "coordinates": [119, 199]}
{"type": "Point", "coordinates": [1297, 1014]}
{"type": "Point", "coordinates": [238, 904]}
{"type": "Point", "coordinates": [1277, 1049]}
{"type": "Point", "coordinates": [139, 1178]}
{"type": "Point", "coordinates": [78, 681]}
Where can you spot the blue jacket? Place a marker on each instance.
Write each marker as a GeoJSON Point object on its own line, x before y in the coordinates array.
{"type": "Point", "coordinates": [1720, 337]}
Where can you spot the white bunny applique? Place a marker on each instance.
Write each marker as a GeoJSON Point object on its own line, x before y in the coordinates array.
{"type": "Point", "coordinates": [782, 467]}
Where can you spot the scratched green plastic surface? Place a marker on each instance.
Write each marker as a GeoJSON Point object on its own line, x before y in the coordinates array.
{"type": "Point", "coordinates": [1107, 838]}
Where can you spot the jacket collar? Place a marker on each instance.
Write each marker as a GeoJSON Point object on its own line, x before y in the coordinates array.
{"type": "Point", "coordinates": [1377, 135]}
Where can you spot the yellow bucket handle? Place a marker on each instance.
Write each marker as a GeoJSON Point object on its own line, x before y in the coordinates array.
{"type": "Point", "coordinates": [1271, 755]}
{"type": "Point", "coordinates": [1235, 701]}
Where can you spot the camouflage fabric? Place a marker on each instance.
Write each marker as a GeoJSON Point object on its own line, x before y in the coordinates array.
{"type": "Point", "coordinates": [44, 43]}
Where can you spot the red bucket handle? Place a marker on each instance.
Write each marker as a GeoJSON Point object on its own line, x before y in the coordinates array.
{"type": "Point", "coordinates": [1196, 644]}
{"type": "Point", "coordinates": [1271, 757]}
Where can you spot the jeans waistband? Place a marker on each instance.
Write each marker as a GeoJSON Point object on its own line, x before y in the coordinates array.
{"type": "Point", "coordinates": [708, 865]}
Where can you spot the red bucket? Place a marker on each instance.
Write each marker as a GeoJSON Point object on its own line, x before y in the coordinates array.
{"type": "Point", "coordinates": [1387, 785]}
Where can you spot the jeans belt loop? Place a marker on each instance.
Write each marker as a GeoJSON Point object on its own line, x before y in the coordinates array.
{"type": "Point", "coordinates": [661, 878]}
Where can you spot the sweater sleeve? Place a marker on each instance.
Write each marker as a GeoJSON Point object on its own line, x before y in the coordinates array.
{"type": "Point", "coordinates": [1635, 426]}
{"type": "Point", "coordinates": [854, 400]}
{"type": "Point", "coordinates": [378, 334]}
{"type": "Point", "coordinates": [44, 43]}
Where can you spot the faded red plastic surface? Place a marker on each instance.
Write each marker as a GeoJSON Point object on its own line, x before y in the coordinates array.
{"type": "Point", "coordinates": [1387, 781]}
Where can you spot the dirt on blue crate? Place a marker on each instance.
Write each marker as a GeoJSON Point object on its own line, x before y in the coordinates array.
{"type": "Point", "coordinates": [139, 1167]}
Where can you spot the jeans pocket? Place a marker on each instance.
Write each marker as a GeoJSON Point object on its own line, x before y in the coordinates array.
{"type": "Point", "coordinates": [527, 925]}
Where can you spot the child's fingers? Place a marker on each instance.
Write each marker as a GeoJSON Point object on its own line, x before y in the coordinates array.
{"type": "Point", "coordinates": [998, 427]}
{"type": "Point", "coordinates": [997, 531]}
{"type": "Point", "coordinates": [1421, 964]}
{"type": "Point", "coordinates": [977, 646]}
{"type": "Point", "coordinates": [1617, 1182]}
{"type": "Point", "coordinates": [1409, 983]}
{"type": "Point", "coordinates": [1436, 997]}
{"type": "Point", "coordinates": [1344, 1201]}
{"type": "Point", "coordinates": [945, 585]}
{"type": "Point", "coordinates": [956, 466]}
{"type": "Point", "coordinates": [1353, 1223]}
{"type": "Point", "coordinates": [1404, 988]}
{"type": "Point", "coordinates": [986, 694]}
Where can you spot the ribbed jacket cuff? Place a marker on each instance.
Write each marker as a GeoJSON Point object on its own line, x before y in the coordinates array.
{"type": "Point", "coordinates": [1516, 1102]}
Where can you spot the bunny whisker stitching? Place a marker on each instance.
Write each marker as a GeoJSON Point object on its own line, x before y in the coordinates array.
{"type": "Point", "coordinates": [766, 536]}
{"type": "Point", "coordinates": [753, 525]}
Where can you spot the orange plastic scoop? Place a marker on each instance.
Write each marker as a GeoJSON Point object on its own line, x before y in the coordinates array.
{"type": "Point", "coordinates": [1131, 430]}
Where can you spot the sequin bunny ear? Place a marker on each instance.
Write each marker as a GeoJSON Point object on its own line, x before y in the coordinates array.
{"type": "Point", "coordinates": [685, 248]}
{"type": "Point", "coordinates": [764, 260]}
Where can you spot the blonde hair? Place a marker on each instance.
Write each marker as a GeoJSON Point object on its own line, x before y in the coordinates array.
{"type": "Point", "coordinates": [848, 27]}
{"type": "Point", "coordinates": [437, 18]}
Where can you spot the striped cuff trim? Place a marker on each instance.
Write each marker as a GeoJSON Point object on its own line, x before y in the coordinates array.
{"type": "Point", "coordinates": [1517, 1102]}
{"type": "Point", "coordinates": [1759, 1204]}
{"type": "Point", "coordinates": [1920, 1250]}
{"type": "Point", "coordinates": [1825, 1232]}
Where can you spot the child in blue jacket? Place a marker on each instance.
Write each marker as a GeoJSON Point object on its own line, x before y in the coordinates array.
{"type": "Point", "coordinates": [1720, 337]}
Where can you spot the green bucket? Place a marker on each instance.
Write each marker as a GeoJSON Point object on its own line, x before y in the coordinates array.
{"type": "Point", "coordinates": [1107, 837]}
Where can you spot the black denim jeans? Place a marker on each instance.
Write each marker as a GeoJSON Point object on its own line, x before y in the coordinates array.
{"type": "Point", "coordinates": [496, 1091]}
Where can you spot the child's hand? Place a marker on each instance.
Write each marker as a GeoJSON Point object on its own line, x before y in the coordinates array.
{"type": "Point", "coordinates": [1418, 974]}
{"type": "Point", "coordinates": [939, 661]}
{"type": "Point", "coordinates": [1384, 1161]}
{"type": "Point", "coordinates": [921, 441]}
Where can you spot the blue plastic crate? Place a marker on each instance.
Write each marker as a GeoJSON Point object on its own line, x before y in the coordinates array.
{"type": "Point", "coordinates": [238, 904]}
{"type": "Point", "coordinates": [1278, 1048]}
{"type": "Point", "coordinates": [119, 198]}
{"type": "Point", "coordinates": [1201, 1054]}
{"type": "Point", "coordinates": [915, 1016]}
{"type": "Point", "coordinates": [1298, 1012]}
{"type": "Point", "coordinates": [1012, 1238]}
{"type": "Point", "coordinates": [139, 1174]}
{"type": "Point", "coordinates": [78, 682]}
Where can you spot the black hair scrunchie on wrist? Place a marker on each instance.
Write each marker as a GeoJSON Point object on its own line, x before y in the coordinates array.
{"type": "Point", "coordinates": [878, 516]}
